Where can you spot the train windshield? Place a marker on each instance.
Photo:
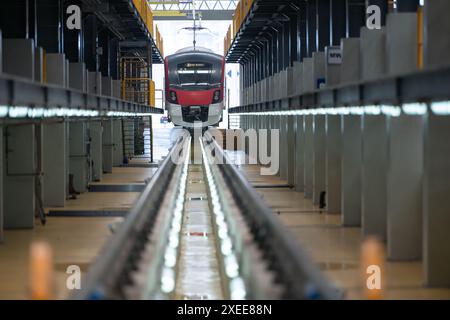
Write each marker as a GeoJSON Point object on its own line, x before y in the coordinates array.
{"type": "Point", "coordinates": [199, 74]}
{"type": "Point", "coordinates": [195, 74]}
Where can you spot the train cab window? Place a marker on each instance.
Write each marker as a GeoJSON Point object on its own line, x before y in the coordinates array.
{"type": "Point", "coordinates": [195, 74]}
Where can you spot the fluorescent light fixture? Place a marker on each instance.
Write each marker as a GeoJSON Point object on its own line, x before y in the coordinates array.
{"type": "Point", "coordinates": [358, 111]}
{"type": "Point", "coordinates": [41, 112]}
{"type": "Point", "coordinates": [352, 110]}
{"type": "Point", "coordinates": [391, 111]}
{"type": "Point", "coordinates": [441, 108]}
{"type": "Point", "coordinates": [36, 112]}
{"type": "Point", "coordinates": [3, 111]}
{"type": "Point", "coordinates": [414, 109]}
{"type": "Point", "coordinates": [168, 280]}
{"type": "Point", "coordinates": [18, 112]}
{"type": "Point", "coordinates": [170, 257]}
{"type": "Point", "coordinates": [237, 289]}
{"type": "Point", "coordinates": [372, 110]}
{"type": "Point", "coordinates": [171, 250]}
{"type": "Point", "coordinates": [231, 266]}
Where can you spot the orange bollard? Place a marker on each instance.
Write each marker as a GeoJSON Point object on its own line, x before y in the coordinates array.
{"type": "Point", "coordinates": [41, 271]}
{"type": "Point", "coordinates": [372, 263]}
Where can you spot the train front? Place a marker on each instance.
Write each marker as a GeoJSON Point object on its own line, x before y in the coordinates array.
{"type": "Point", "coordinates": [195, 88]}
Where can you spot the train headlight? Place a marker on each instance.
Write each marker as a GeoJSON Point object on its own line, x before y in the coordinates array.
{"type": "Point", "coordinates": [216, 97]}
{"type": "Point", "coordinates": [173, 97]}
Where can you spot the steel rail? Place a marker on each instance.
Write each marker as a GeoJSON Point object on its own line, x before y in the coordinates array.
{"type": "Point", "coordinates": [295, 271]}
{"type": "Point", "coordinates": [111, 270]}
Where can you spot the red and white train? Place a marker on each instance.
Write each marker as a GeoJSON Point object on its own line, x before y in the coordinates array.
{"type": "Point", "coordinates": [195, 87]}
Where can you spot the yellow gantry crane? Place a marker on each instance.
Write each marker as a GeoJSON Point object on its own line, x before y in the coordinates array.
{"type": "Point", "coordinates": [170, 12]}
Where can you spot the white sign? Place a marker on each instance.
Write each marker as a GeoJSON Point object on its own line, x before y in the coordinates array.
{"type": "Point", "coordinates": [334, 55]}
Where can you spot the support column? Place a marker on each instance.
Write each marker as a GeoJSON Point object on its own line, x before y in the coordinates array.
{"type": "Point", "coordinates": [56, 72]}
{"type": "Point", "coordinates": [78, 76]}
{"type": "Point", "coordinates": [67, 155]}
{"type": "Point", "coordinates": [1, 52]}
{"type": "Point", "coordinates": [114, 56]}
{"type": "Point", "coordinates": [374, 180]}
{"type": "Point", "coordinates": [320, 149]}
{"type": "Point", "coordinates": [333, 163]}
{"type": "Point", "coordinates": [268, 120]}
{"type": "Point", "coordinates": [18, 58]}
{"type": "Point", "coordinates": [108, 146]}
{"type": "Point", "coordinates": [78, 155]}
{"type": "Point", "coordinates": [373, 46]}
{"type": "Point", "coordinates": [283, 147]}
{"type": "Point", "coordinates": [20, 177]}
{"type": "Point", "coordinates": [436, 205]}
{"type": "Point", "coordinates": [118, 142]}
{"type": "Point", "coordinates": [436, 43]}
{"type": "Point", "coordinates": [248, 127]}
{"type": "Point", "coordinates": [351, 170]}
{"type": "Point", "coordinates": [96, 132]}
{"type": "Point", "coordinates": [404, 189]}
{"type": "Point", "coordinates": [309, 156]}
{"type": "Point", "coordinates": [104, 43]}
{"type": "Point", "coordinates": [291, 145]}
{"type": "Point", "coordinates": [38, 65]}
{"type": "Point", "coordinates": [261, 127]}
{"type": "Point", "coordinates": [308, 83]}
{"type": "Point", "coordinates": [373, 53]}
{"type": "Point", "coordinates": [54, 180]}
{"type": "Point", "coordinates": [276, 125]}
{"type": "Point", "coordinates": [318, 69]}
{"type": "Point", "coordinates": [300, 155]}
{"type": "Point", "coordinates": [94, 83]}
{"type": "Point", "coordinates": [1, 185]}
{"type": "Point", "coordinates": [351, 56]}
{"type": "Point", "coordinates": [401, 38]}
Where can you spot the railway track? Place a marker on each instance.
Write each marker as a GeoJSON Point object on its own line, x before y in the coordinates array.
{"type": "Point", "coordinates": [200, 231]}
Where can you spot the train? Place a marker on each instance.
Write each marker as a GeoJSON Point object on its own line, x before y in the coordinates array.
{"type": "Point", "coordinates": [194, 87]}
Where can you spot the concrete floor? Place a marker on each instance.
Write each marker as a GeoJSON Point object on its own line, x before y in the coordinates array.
{"type": "Point", "coordinates": [75, 241]}
{"type": "Point", "coordinates": [335, 249]}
